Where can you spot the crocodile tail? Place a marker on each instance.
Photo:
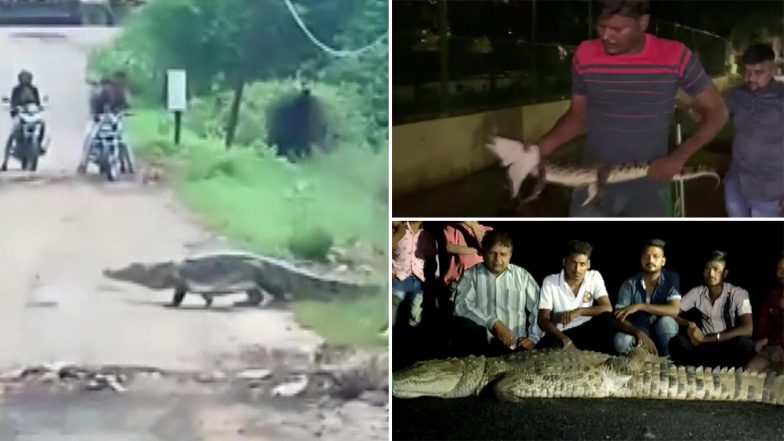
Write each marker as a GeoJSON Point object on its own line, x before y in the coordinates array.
{"type": "Point", "coordinates": [667, 381]}
{"type": "Point", "coordinates": [700, 171]}
{"type": "Point", "coordinates": [541, 181]}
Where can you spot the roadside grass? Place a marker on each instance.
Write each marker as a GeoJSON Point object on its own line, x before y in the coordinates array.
{"type": "Point", "coordinates": [280, 209]}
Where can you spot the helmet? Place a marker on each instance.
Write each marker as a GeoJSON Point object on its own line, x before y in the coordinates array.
{"type": "Point", "coordinates": [25, 77]}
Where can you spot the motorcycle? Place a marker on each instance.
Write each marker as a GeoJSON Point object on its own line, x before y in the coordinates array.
{"type": "Point", "coordinates": [26, 146]}
{"type": "Point", "coordinates": [106, 149]}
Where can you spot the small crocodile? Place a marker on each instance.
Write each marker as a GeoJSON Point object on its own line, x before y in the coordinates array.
{"type": "Point", "coordinates": [522, 161]}
{"type": "Point", "coordinates": [556, 373]}
{"type": "Point", "coordinates": [225, 273]}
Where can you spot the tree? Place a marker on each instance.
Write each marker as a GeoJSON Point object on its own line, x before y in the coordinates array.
{"type": "Point", "coordinates": [228, 43]}
{"type": "Point", "coordinates": [368, 21]}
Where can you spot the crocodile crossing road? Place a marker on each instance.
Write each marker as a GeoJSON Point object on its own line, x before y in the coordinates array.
{"type": "Point", "coordinates": [224, 272]}
{"type": "Point", "coordinates": [58, 235]}
{"type": "Point", "coordinates": [555, 373]}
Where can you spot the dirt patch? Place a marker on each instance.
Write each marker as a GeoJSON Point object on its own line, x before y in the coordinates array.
{"type": "Point", "coordinates": [46, 403]}
{"type": "Point", "coordinates": [341, 373]}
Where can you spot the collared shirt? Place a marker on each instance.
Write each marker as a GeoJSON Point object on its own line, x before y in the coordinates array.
{"type": "Point", "coordinates": [771, 320]}
{"type": "Point", "coordinates": [558, 297]}
{"type": "Point", "coordinates": [724, 313]}
{"type": "Point", "coordinates": [458, 263]}
{"type": "Point", "coordinates": [408, 256]}
{"type": "Point", "coordinates": [633, 290]}
{"type": "Point", "coordinates": [758, 144]}
{"type": "Point", "coordinates": [512, 297]}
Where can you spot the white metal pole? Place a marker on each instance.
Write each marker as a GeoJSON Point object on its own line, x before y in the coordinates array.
{"type": "Point", "coordinates": [681, 192]}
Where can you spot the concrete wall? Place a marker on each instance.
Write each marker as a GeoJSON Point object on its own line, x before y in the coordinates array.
{"type": "Point", "coordinates": [430, 153]}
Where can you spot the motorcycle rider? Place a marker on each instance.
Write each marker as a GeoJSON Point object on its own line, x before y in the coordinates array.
{"type": "Point", "coordinates": [22, 94]}
{"type": "Point", "coordinates": [120, 88]}
{"type": "Point", "coordinates": [110, 97]}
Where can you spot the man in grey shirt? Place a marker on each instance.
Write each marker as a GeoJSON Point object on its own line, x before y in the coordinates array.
{"type": "Point", "coordinates": [754, 185]}
{"type": "Point", "coordinates": [720, 329]}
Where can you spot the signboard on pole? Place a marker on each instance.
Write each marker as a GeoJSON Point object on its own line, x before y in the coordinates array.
{"type": "Point", "coordinates": [176, 88]}
{"type": "Point", "coordinates": [176, 97]}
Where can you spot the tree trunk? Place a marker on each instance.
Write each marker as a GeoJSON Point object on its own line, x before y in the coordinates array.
{"type": "Point", "coordinates": [234, 114]}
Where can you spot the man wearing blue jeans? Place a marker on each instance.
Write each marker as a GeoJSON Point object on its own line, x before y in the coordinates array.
{"type": "Point", "coordinates": [754, 185]}
{"type": "Point", "coordinates": [412, 248]}
{"type": "Point", "coordinates": [410, 286]}
{"type": "Point", "coordinates": [649, 301]}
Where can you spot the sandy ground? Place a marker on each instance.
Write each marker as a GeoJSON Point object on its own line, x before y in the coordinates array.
{"type": "Point", "coordinates": [58, 232]}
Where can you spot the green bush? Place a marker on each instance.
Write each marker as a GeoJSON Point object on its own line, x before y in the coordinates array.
{"type": "Point", "coordinates": [349, 126]}
{"type": "Point", "coordinates": [311, 243]}
{"type": "Point", "coordinates": [263, 199]}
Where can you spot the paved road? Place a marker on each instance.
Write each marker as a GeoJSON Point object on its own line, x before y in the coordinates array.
{"type": "Point", "coordinates": [576, 419]}
{"type": "Point", "coordinates": [58, 232]}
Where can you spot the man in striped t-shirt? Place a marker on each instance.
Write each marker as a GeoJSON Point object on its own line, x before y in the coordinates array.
{"type": "Point", "coordinates": [721, 332]}
{"type": "Point", "coordinates": [624, 85]}
{"type": "Point", "coordinates": [496, 304]}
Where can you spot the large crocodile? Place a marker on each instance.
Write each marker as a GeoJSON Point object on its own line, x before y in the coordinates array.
{"type": "Point", "coordinates": [224, 273]}
{"type": "Point", "coordinates": [521, 161]}
{"type": "Point", "coordinates": [557, 373]}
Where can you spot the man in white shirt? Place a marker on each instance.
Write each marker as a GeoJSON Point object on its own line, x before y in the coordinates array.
{"type": "Point", "coordinates": [566, 309]}
{"type": "Point", "coordinates": [496, 303]}
{"type": "Point", "coordinates": [720, 334]}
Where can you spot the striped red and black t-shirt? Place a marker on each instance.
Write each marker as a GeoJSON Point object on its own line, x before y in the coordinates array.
{"type": "Point", "coordinates": [631, 98]}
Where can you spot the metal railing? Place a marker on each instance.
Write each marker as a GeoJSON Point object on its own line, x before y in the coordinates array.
{"type": "Point", "coordinates": [485, 74]}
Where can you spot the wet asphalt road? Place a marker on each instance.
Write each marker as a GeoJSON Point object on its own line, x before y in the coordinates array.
{"type": "Point", "coordinates": [575, 419]}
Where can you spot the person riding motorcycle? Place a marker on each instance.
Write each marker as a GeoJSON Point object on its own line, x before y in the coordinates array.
{"type": "Point", "coordinates": [22, 94]}
{"type": "Point", "coordinates": [110, 97]}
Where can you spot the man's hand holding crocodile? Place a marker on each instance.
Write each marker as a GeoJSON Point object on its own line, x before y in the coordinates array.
{"type": "Point", "coordinates": [664, 169]}
{"type": "Point", "coordinates": [713, 116]}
